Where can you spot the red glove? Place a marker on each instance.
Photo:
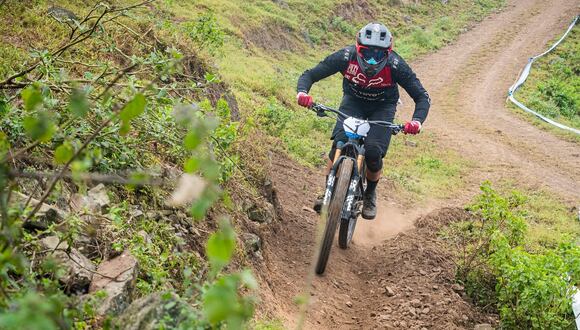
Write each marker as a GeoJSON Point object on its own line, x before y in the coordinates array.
{"type": "Point", "coordinates": [412, 127]}
{"type": "Point", "coordinates": [304, 100]}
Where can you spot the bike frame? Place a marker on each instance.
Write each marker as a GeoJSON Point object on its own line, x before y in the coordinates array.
{"type": "Point", "coordinates": [351, 207]}
{"type": "Point", "coordinates": [353, 149]}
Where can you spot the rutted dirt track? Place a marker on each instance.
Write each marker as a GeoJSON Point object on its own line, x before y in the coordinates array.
{"type": "Point", "coordinates": [406, 281]}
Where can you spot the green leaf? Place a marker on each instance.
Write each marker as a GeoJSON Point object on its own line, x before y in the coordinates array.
{"type": "Point", "coordinates": [125, 128]}
{"type": "Point", "coordinates": [210, 77]}
{"type": "Point", "coordinates": [63, 153]}
{"type": "Point", "coordinates": [39, 127]}
{"type": "Point", "coordinates": [220, 246]}
{"type": "Point", "coordinates": [220, 301]}
{"type": "Point", "coordinates": [192, 140]}
{"type": "Point", "coordinates": [79, 104]}
{"type": "Point", "coordinates": [131, 110]}
{"type": "Point", "coordinates": [32, 97]}
{"type": "Point", "coordinates": [3, 107]}
{"type": "Point", "coordinates": [192, 164]}
{"type": "Point", "coordinates": [4, 144]}
{"type": "Point", "coordinates": [202, 204]}
{"type": "Point", "coordinates": [248, 279]}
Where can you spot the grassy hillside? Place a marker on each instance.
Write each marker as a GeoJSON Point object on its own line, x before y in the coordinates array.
{"type": "Point", "coordinates": [205, 86]}
{"type": "Point", "coordinates": [553, 87]}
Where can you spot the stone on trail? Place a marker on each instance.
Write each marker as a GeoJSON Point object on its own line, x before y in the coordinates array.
{"type": "Point", "coordinates": [308, 209]}
{"type": "Point", "coordinates": [117, 278]}
{"type": "Point", "coordinates": [389, 291]}
{"type": "Point", "coordinates": [416, 303]}
{"type": "Point", "coordinates": [483, 326]}
{"type": "Point", "coordinates": [457, 287]}
{"type": "Point", "coordinates": [265, 214]}
{"type": "Point", "coordinates": [410, 143]}
{"type": "Point", "coordinates": [253, 244]}
{"type": "Point", "coordinates": [78, 269]}
{"type": "Point", "coordinates": [349, 303]}
{"type": "Point", "coordinates": [46, 215]}
{"type": "Point", "coordinates": [95, 201]}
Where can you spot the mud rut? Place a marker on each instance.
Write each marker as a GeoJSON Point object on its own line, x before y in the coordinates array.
{"type": "Point", "coordinates": [396, 274]}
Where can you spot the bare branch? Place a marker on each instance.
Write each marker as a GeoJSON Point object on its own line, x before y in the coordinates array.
{"type": "Point", "coordinates": [117, 78]}
{"type": "Point", "coordinates": [9, 83]}
{"type": "Point", "coordinates": [111, 178]}
{"type": "Point", "coordinates": [93, 136]}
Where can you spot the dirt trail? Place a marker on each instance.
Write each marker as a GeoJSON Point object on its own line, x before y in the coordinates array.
{"type": "Point", "coordinates": [397, 275]}
{"type": "Point", "coordinates": [469, 82]}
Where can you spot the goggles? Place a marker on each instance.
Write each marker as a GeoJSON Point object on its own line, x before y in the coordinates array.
{"type": "Point", "coordinates": [372, 55]}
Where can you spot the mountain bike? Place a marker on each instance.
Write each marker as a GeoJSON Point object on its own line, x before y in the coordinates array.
{"type": "Point", "coordinates": [343, 197]}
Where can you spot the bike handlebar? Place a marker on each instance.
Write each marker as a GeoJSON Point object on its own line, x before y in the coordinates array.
{"type": "Point", "coordinates": [321, 110]}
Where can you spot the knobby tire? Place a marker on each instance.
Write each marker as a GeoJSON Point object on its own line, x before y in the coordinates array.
{"type": "Point", "coordinates": [334, 212]}
{"type": "Point", "coordinates": [345, 229]}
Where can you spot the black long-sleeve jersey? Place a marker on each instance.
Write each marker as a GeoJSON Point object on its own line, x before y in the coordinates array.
{"type": "Point", "coordinates": [381, 87]}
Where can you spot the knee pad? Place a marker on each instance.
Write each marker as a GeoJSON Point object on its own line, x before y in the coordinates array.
{"type": "Point", "coordinates": [374, 159]}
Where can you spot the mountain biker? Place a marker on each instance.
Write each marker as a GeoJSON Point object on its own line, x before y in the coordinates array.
{"type": "Point", "coordinates": [371, 71]}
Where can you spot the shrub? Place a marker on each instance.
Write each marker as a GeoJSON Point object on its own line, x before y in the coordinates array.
{"type": "Point", "coordinates": [531, 290]}
{"type": "Point", "coordinates": [534, 291]}
{"type": "Point", "coordinates": [205, 32]}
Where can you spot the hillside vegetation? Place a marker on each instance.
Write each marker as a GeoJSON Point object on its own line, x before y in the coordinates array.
{"type": "Point", "coordinates": [160, 97]}
{"type": "Point", "coordinates": [553, 87]}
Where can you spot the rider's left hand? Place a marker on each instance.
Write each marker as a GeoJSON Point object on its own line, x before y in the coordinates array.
{"type": "Point", "coordinates": [412, 127]}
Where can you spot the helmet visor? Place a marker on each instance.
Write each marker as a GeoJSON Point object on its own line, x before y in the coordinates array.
{"type": "Point", "coordinates": [372, 55]}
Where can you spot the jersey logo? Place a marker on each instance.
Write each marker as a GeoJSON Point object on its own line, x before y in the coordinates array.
{"type": "Point", "coordinates": [352, 69]}
{"type": "Point", "coordinates": [375, 82]}
{"type": "Point", "coordinates": [354, 74]}
{"type": "Point", "coordinates": [359, 79]}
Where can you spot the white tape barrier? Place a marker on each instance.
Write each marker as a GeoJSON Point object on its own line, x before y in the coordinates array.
{"type": "Point", "coordinates": [526, 73]}
{"type": "Point", "coordinates": [576, 307]}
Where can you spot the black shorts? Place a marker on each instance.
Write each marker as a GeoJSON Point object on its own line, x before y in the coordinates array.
{"type": "Point", "coordinates": [378, 137]}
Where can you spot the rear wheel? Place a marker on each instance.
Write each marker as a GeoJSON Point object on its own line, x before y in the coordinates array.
{"type": "Point", "coordinates": [334, 212]}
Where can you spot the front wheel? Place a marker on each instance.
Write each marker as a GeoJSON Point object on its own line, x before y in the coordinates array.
{"type": "Point", "coordinates": [347, 226]}
{"type": "Point", "coordinates": [334, 212]}
{"type": "Point", "coordinates": [345, 232]}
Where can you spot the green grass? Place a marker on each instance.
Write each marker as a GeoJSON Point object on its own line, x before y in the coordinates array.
{"type": "Point", "coordinates": [553, 87]}
{"type": "Point", "coordinates": [549, 220]}
{"type": "Point", "coordinates": [258, 73]}
{"type": "Point", "coordinates": [423, 171]}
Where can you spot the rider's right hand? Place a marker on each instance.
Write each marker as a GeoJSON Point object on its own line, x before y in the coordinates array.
{"type": "Point", "coordinates": [304, 100]}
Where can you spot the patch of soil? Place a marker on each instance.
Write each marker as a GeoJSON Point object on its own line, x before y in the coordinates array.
{"type": "Point", "coordinates": [413, 280]}
{"type": "Point", "coordinates": [272, 36]}
{"type": "Point", "coordinates": [356, 10]}
{"type": "Point", "coordinates": [352, 294]}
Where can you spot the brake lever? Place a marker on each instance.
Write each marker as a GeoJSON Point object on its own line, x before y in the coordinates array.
{"type": "Point", "coordinates": [396, 130]}
{"type": "Point", "coordinates": [319, 111]}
